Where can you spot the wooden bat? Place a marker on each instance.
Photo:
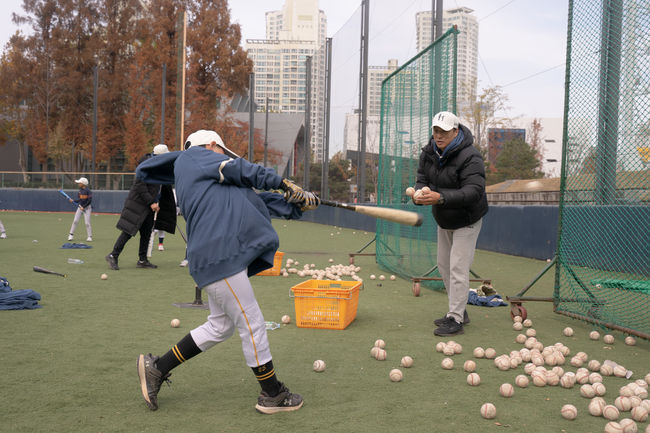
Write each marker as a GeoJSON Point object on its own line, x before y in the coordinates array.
{"type": "Point", "coordinates": [47, 271]}
{"type": "Point", "coordinates": [394, 215]}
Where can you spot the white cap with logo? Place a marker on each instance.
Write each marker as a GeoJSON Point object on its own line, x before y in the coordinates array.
{"type": "Point", "coordinates": [203, 137]}
{"type": "Point", "coordinates": [445, 120]}
{"type": "Point", "coordinates": [82, 180]}
{"type": "Point", "coordinates": [159, 149]}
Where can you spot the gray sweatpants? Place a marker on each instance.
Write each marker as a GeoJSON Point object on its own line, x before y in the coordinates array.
{"type": "Point", "coordinates": [455, 257]}
{"type": "Point", "coordinates": [77, 216]}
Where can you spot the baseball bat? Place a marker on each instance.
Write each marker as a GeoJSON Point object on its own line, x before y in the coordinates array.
{"type": "Point", "coordinates": [63, 193]}
{"type": "Point", "coordinates": [153, 230]}
{"type": "Point", "coordinates": [385, 213]}
{"type": "Point", "coordinates": [47, 271]}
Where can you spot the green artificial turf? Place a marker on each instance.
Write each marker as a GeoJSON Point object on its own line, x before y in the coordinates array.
{"type": "Point", "coordinates": [70, 366]}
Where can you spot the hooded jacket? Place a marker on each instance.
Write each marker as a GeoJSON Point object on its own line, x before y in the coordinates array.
{"type": "Point", "coordinates": [459, 175]}
{"type": "Point", "coordinates": [228, 224]}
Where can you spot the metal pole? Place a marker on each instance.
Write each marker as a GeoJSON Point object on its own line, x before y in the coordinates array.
{"type": "Point", "coordinates": [162, 104]}
{"type": "Point", "coordinates": [251, 115]}
{"type": "Point", "coordinates": [307, 141]}
{"type": "Point", "coordinates": [95, 85]}
{"type": "Point", "coordinates": [324, 189]}
{"type": "Point", "coordinates": [266, 132]}
{"type": "Point", "coordinates": [433, 21]}
{"type": "Point", "coordinates": [437, 77]}
{"type": "Point", "coordinates": [361, 169]}
{"type": "Point", "coordinates": [438, 19]}
{"type": "Point", "coordinates": [180, 80]}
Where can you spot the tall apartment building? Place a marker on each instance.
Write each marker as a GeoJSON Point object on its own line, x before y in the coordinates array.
{"type": "Point", "coordinates": [377, 74]}
{"type": "Point", "coordinates": [467, 63]}
{"type": "Point", "coordinates": [292, 34]}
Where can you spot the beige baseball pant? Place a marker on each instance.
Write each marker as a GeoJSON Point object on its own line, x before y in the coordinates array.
{"type": "Point", "coordinates": [455, 256]}
{"type": "Point", "coordinates": [233, 306]}
{"type": "Point", "coordinates": [77, 216]}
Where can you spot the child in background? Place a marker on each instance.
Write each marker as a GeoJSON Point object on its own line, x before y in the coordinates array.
{"type": "Point", "coordinates": [84, 200]}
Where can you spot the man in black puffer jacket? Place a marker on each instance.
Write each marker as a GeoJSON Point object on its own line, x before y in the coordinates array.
{"type": "Point", "coordinates": [451, 178]}
{"type": "Point", "coordinates": [143, 201]}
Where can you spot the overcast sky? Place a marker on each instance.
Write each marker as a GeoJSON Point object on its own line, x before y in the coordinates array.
{"type": "Point", "coordinates": [522, 43]}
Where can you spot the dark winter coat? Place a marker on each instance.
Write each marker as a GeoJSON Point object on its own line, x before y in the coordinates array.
{"type": "Point", "coordinates": [460, 177]}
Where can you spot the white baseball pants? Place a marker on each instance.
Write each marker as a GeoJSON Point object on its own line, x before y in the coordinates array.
{"type": "Point", "coordinates": [233, 306]}
{"type": "Point", "coordinates": [455, 256]}
{"type": "Point", "coordinates": [77, 216]}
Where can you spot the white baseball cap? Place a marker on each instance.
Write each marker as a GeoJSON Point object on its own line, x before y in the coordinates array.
{"type": "Point", "coordinates": [159, 149]}
{"type": "Point", "coordinates": [445, 120]}
{"type": "Point", "coordinates": [82, 180]}
{"type": "Point", "coordinates": [203, 137]}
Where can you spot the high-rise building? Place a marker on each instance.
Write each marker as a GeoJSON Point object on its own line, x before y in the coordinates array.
{"type": "Point", "coordinates": [467, 53]}
{"type": "Point", "coordinates": [377, 74]}
{"type": "Point", "coordinates": [292, 34]}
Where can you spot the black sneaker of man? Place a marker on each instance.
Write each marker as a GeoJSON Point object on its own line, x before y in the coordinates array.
{"type": "Point", "coordinates": [442, 320]}
{"type": "Point", "coordinates": [145, 264]}
{"type": "Point", "coordinates": [150, 379]}
{"type": "Point", "coordinates": [448, 328]}
{"type": "Point", "coordinates": [285, 401]}
{"type": "Point", "coordinates": [112, 262]}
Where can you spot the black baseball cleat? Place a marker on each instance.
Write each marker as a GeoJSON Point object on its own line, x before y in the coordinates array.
{"type": "Point", "coordinates": [285, 401]}
{"type": "Point", "coordinates": [150, 379]}
{"type": "Point", "coordinates": [112, 262]}
{"type": "Point", "coordinates": [440, 321]}
{"type": "Point", "coordinates": [145, 264]}
{"type": "Point", "coordinates": [448, 328]}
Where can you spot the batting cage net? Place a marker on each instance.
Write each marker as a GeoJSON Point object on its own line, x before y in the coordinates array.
{"type": "Point", "coordinates": [410, 97]}
{"type": "Point", "coordinates": [603, 256]}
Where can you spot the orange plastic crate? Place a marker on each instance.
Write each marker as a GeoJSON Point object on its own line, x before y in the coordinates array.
{"type": "Point", "coordinates": [277, 265]}
{"type": "Point", "coordinates": [326, 304]}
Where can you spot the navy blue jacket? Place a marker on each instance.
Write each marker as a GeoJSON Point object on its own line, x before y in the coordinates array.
{"type": "Point", "coordinates": [228, 224]}
{"type": "Point", "coordinates": [85, 197]}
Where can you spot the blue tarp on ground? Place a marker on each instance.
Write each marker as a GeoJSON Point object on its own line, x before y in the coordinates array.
{"type": "Point", "coordinates": [17, 299]}
{"type": "Point", "coordinates": [74, 245]}
{"type": "Point", "coordinates": [485, 301]}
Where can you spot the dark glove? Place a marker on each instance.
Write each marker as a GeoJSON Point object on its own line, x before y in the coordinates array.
{"type": "Point", "coordinates": [292, 192]}
{"type": "Point", "coordinates": [311, 202]}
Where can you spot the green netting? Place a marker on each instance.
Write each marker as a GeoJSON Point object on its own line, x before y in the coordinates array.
{"type": "Point", "coordinates": [603, 257]}
{"type": "Point", "coordinates": [410, 97]}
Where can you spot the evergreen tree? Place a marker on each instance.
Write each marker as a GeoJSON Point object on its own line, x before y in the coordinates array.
{"type": "Point", "coordinates": [517, 160]}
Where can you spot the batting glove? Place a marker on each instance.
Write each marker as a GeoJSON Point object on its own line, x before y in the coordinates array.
{"type": "Point", "coordinates": [311, 202]}
{"type": "Point", "coordinates": [292, 192]}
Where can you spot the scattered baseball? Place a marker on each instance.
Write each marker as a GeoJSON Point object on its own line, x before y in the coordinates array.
{"type": "Point", "coordinates": [473, 379]}
{"type": "Point", "coordinates": [517, 319]}
{"type": "Point", "coordinates": [410, 191]}
{"type": "Point", "coordinates": [613, 427]}
{"type": "Point", "coordinates": [594, 335]}
{"type": "Point", "coordinates": [286, 319]}
{"type": "Point", "coordinates": [447, 363]}
{"type": "Point", "coordinates": [373, 351]}
{"type": "Point", "coordinates": [406, 361]}
{"type": "Point", "coordinates": [587, 391]}
{"type": "Point", "coordinates": [608, 339]}
{"type": "Point", "coordinates": [521, 339]}
{"type": "Point", "coordinates": [440, 346]}
{"type": "Point", "coordinates": [380, 343]}
{"type": "Point", "coordinates": [506, 390]}
{"type": "Point", "coordinates": [372, 276]}
{"type": "Point", "coordinates": [623, 404]}
{"type": "Point", "coordinates": [606, 370]}
{"type": "Point", "coordinates": [647, 378]}
{"type": "Point", "coordinates": [480, 353]}
{"type": "Point", "coordinates": [568, 332]}
{"type": "Point", "coordinates": [531, 332]}
{"type": "Point", "coordinates": [517, 326]}
{"type": "Point", "coordinates": [596, 406]}
{"type": "Point", "coordinates": [569, 411]}
{"type": "Point", "coordinates": [521, 381]}
{"type": "Point", "coordinates": [319, 365]}
{"type": "Point", "coordinates": [639, 413]}
{"type": "Point", "coordinates": [381, 355]}
{"type": "Point", "coordinates": [382, 277]}
{"type": "Point", "coordinates": [488, 411]}
{"type": "Point", "coordinates": [175, 323]}
{"type": "Point", "coordinates": [594, 365]}
{"type": "Point", "coordinates": [628, 425]}
{"type": "Point", "coordinates": [599, 389]}
{"type": "Point", "coordinates": [469, 366]}
{"type": "Point", "coordinates": [104, 277]}
{"type": "Point", "coordinates": [393, 277]}
{"type": "Point", "coordinates": [490, 353]}
{"type": "Point", "coordinates": [527, 323]}
{"type": "Point", "coordinates": [395, 375]}
{"type": "Point", "coordinates": [630, 341]}
{"type": "Point", "coordinates": [611, 412]}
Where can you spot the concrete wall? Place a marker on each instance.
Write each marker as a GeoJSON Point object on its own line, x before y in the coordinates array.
{"type": "Point", "coordinates": [527, 231]}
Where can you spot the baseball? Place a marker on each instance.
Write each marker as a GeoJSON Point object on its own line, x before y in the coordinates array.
{"type": "Point", "coordinates": [613, 427]}
{"type": "Point", "coordinates": [473, 379]}
{"type": "Point", "coordinates": [623, 403]}
{"type": "Point", "coordinates": [531, 332]}
{"type": "Point", "coordinates": [568, 380]}
{"type": "Point", "coordinates": [373, 351]}
{"type": "Point", "coordinates": [595, 377]}
{"type": "Point", "coordinates": [527, 323]}
{"type": "Point", "coordinates": [599, 389]}
{"type": "Point", "coordinates": [517, 326]}
{"type": "Point", "coordinates": [380, 343]}
{"type": "Point", "coordinates": [606, 370]}
{"type": "Point", "coordinates": [628, 425]}
{"type": "Point", "coordinates": [488, 411]}
{"type": "Point", "coordinates": [372, 276]}
{"type": "Point", "coordinates": [319, 365]}
{"type": "Point", "coordinates": [539, 380]}
{"type": "Point", "coordinates": [395, 375]}
{"type": "Point", "coordinates": [506, 390]}
{"type": "Point", "coordinates": [583, 356]}
{"type": "Point", "coordinates": [440, 346]}
{"type": "Point", "coordinates": [521, 381]}
{"type": "Point", "coordinates": [620, 371]}
{"type": "Point", "coordinates": [417, 193]}
{"type": "Point", "coordinates": [587, 391]}
{"type": "Point", "coordinates": [630, 341]}
{"type": "Point", "coordinates": [426, 189]}
{"type": "Point", "coordinates": [568, 332]}
{"type": "Point", "coordinates": [569, 411]}
{"type": "Point", "coordinates": [639, 413]}
{"type": "Point", "coordinates": [381, 355]}
{"type": "Point", "coordinates": [517, 319]}
{"type": "Point", "coordinates": [521, 339]}
{"type": "Point", "coordinates": [382, 277]}
{"type": "Point", "coordinates": [406, 362]}
{"type": "Point", "coordinates": [647, 378]}
{"type": "Point", "coordinates": [393, 277]}
{"type": "Point", "coordinates": [596, 406]}
{"type": "Point", "coordinates": [608, 339]}
{"type": "Point", "coordinates": [410, 191]}
{"type": "Point", "coordinates": [594, 365]}
{"type": "Point", "coordinates": [449, 349]}
{"type": "Point", "coordinates": [175, 323]}
{"type": "Point", "coordinates": [104, 277]}
{"type": "Point", "coordinates": [447, 363]}
{"type": "Point", "coordinates": [286, 319]}
{"type": "Point", "coordinates": [610, 412]}
{"type": "Point", "coordinates": [480, 353]}
{"type": "Point", "coordinates": [594, 335]}
{"type": "Point", "coordinates": [490, 353]}
{"type": "Point", "coordinates": [469, 366]}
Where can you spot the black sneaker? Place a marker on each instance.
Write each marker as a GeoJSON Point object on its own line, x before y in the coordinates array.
{"type": "Point", "coordinates": [145, 264]}
{"type": "Point", "coordinates": [442, 320]}
{"type": "Point", "coordinates": [112, 261]}
{"type": "Point", "coordinates": [285, 401]}
{"type": "Point", "coordinates": [150, 379]}
{"type": "Point", "coordinates": [448, 328]}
